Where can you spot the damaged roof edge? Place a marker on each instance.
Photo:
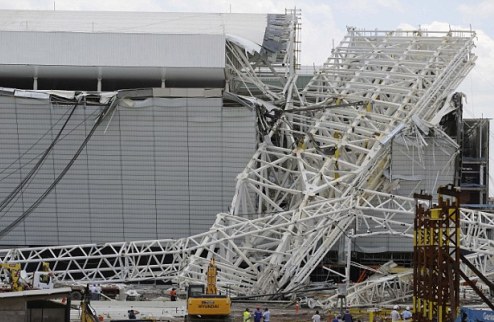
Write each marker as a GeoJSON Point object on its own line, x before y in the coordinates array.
{"type": "Point", "coordinates": [105, 96]}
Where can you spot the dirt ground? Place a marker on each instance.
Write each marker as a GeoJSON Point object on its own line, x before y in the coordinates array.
{"type": "Point", "coordinates": [280, 312]}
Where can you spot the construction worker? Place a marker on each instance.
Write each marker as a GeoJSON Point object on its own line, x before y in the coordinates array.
{"type": "Point", "coordinates": [92, 292]}
{"type": "Point", "coordinates": [173, 294]}
{"type": "Point", "coordinates": [316, 317]}
{"type": "Point", "coordinates": [266, 316]}
{"type": "Point", "coordinates": [395, 315]}
{"type": "Point", "coordinates": [406, 314]}
{"type": "Point", "coordinates": [132, 313]}
{"type": "Point", "coordinates": [257, 315]}
{"type": "Point", "coordinates": [45, 278]}
{"type": "Point", "coordinates": [347, 317]}
{"type": "Point", "coordinates": [246, 315]}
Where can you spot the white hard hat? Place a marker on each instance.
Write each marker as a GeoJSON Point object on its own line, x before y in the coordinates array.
{"type": "Point", "coordinates": [408, 308]}
{"type": "Point", "coordinates": [396, 307]}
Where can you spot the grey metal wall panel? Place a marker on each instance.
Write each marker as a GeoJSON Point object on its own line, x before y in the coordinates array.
{"type": "Point", "coordinates": [73, 192]}
{"type": "Point", "coordinates": [235, 135]}
{"type": "Point", "coordinates": [161, 170]}
{"type": "Point", "coordinates": [417, 169]}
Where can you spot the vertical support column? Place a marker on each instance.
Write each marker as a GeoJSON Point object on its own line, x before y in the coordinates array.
{"type": "Point", "coordinates": [348, 244]}
{"type": "Point", "coordinates": [421, 241]}
{"type": "Point", "coordinates": [451, 249]}
{"type": "Point", "coordinates": [35, 83]}
{"type": "Point", "coordinates": [163, 77]}
{"type": "Point", "coordinates": [99, 86]}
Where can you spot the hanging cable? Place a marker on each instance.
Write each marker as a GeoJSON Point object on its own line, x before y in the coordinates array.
{"type": "Point", "coordinates": [9, 166]}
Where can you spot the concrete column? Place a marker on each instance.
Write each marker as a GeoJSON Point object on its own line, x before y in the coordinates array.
{"type": "Point", "coordinates": [99, 85]}
{"type": "Point", "coordinates": [35, 82]}
{"type": "Point", "coordinates": [163, 77]}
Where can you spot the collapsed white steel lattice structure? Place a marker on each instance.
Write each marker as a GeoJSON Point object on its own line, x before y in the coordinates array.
{"type": "Point", "coordinates": [316, 173]}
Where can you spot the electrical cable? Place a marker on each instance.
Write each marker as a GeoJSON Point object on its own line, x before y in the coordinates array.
{"type": "Point", "coordinates": [32, 146]}
{"type": "Point", "coordinates": [39, 154]}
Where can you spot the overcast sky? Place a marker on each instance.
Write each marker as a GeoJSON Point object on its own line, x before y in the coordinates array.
{"type": "Point", "coordinates": [325, 22]}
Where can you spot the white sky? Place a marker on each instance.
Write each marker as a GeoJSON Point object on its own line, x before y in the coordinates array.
{"type": "Point", "coordinates": [325, 21]}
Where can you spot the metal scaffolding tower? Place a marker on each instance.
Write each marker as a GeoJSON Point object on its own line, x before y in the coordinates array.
{"type": "Point", "coordinates": [436, 271]}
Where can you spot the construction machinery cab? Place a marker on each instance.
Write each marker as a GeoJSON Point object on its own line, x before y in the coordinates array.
{"type": "Point", "coordinates": [207, 307]}
{"type": "Point", "coordinates": [204, 303]}
{"type": "Point", "coordinates": [195, 290]}
{"type": "Point", "coordinates": [43, 279]}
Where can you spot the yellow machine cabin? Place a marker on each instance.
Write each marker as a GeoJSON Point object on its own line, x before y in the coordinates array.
{"type": "Point", "coordinates": [199, 303]}
{"type": "Point", "coordinates": [205, 304]}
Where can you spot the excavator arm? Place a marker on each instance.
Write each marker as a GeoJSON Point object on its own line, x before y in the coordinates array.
{"type": "Point", "coordinates": [88, 314]}
{"type": "Point", "coordinates": [211, 288]}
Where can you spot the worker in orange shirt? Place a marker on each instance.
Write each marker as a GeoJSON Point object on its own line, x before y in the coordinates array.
{"type": "Point", "coordinates": [173, 294]}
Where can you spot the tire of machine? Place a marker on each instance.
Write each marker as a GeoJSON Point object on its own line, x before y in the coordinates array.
{"type": "Point", "coordinates": [75, 296]}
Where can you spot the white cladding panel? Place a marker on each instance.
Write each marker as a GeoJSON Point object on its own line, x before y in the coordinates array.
{"type": "Point", "coordinates": [163, 169]}
{"type": "Point", "coordinates": [112, 49]}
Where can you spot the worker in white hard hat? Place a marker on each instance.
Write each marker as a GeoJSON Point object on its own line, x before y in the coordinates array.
{"type": "Point", "coordinates": [395, 315]}
{"type": "Point", "coordinates": [406, 314]}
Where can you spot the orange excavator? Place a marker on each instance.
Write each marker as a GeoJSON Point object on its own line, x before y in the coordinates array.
{"type": "Point", "coordinates": [205, 304]}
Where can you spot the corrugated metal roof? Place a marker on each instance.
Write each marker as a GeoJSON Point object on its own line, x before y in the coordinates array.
{"type": "Point", "coordinates": [248, 26]}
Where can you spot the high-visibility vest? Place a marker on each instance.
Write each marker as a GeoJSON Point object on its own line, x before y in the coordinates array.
{"type": "Point", "coordinates": [246, 316]}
